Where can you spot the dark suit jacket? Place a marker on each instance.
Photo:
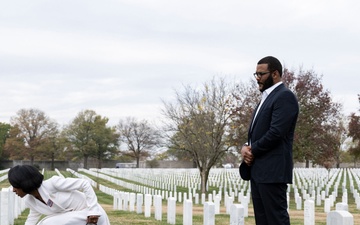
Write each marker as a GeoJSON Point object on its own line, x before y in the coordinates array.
{"type": "Point", "coordinates": [272, 137]}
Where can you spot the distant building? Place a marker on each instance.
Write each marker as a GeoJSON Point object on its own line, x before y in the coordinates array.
{"type": "Point", "coordinates": [125, 165]}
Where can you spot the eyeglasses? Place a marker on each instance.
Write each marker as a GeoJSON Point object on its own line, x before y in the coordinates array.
{"type": "Point", "coordinates": [260, 74]}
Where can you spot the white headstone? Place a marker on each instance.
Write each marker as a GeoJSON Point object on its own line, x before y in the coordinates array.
{"type": "Point", "coordinates": [187, 212]}
{"type": "Point", "coordinates": [126, 200]}
{"type": "Point", "coordinates": [345, 197]}
{"type": "Point", "coordinates": [217, 204]}
{"type": "Point", "coordinates": [117, 200]}
{"type": "Point", "coordinates": [318, 200]}
{"type": "Point", "coordinates": [197, 198]}
{"type": "Point", "coordinates": [229, 203]}
{"type": "Point", "coordinates": [209, 213]}
{"type": "Point", "coordinates": [327, 206]}
{"type": "Point", "coordinates": [341, 206]}
{"type": "Point", "coordinates": [298, 203]}
{"type": "Point", "coordinates": [158, 207]}
{"type": "Point", "coordinates": [132, 202]}
{"type": "Point", "coordinates": [237, 214]}
{"type": "Point", "coordinates": [339, 218]}
{"type": "Point", "coordinates": [171, 211]}
{"type": "Point", "coordinates": [210, 199]}
{"type": "Point", "coordinates": [203, 198]}
{"type": "Point", "coordinates": [245, 204]}
{"type": "Point", "coordinates": [309, 212]}
{"type": "Point", "coordinates": [5, 206]}
{"type": "Point", "coordinates": [148, 199]}
{"type": "Point", "coordinates": [139, 202]}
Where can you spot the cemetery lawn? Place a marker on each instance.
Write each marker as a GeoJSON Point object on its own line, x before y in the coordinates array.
{"type": "Point", "coordinates": [118, 217]}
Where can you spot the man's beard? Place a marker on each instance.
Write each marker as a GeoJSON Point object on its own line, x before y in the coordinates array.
{"type": "Point", "coordinates": [267, 83]}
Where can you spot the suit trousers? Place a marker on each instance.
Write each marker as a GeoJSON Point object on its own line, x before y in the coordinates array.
{"type": "Point", "coordinates": [73, 218]}
{"type": "Point", "coordinates": [270, 203]}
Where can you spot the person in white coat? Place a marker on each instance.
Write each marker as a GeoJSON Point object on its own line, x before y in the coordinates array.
{"type": "Point", "coordinates": [63, 201]}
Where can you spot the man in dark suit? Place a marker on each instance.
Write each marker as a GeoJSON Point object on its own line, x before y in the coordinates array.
{"type": "Point", "coordinates": [268, 153]}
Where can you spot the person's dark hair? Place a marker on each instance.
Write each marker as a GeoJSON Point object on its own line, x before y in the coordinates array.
{"type": "Point", "coordinates": [273, 64]}
{"type": "Point", "coordinates": [26, 177]}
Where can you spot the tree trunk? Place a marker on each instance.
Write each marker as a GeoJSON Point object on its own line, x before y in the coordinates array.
{"type": "Point", "coordinates": [85, 161]}
{"type": "Point", "coordinates": [307, 163]}
{"type": "Point", "coordinates": [99, 163]}
{"type": "Point", "coordinates": [137, 162]}
{"type": "Point", "coordinates": [204, 173]}
{"type": "Point", "coordinates": [52, 161]}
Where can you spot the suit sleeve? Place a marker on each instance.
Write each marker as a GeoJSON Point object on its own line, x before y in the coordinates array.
{"type": "Point", "coordinates": [33, 217]}
{"type": "Point", "coordinates": [72, 184]}
{"type": "Point", "coordinates": [283, 118]}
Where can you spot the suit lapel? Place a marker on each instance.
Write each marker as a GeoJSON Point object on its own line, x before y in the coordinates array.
{"type": "Point", "coordinates": [49, 200]}
{"type": "Point", "coordinates": [269, 97]}
{"type": "Point", "coordinates": [253, 117]}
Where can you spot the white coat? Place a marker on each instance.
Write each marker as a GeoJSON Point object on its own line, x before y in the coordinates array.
{"type": "Point", "coordinates": [68, 202]}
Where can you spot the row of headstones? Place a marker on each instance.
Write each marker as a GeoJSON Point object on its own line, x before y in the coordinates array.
{"type": "Point", "coordinates": [11, 205]}
{"type": "Point", "coordinates": [336, 175]}
{"type": "Point", "coordinates": [226, 179]}
{"type": "Point", "coordinates": [329, 202]}
{"type": "Point", "coordinates": [3, 177]}
{"type": "Point", "coordinates": [103, 173]}
{"type": "Point", "coordinates": [165, 194]}
{"type": "Point", "coordinates": [307, 183]}
{"type": "Point", "coordinates": [325, 196]}
{"type": "Point", "coordinates": [319, 198]}
{"type": "Point", "coordinates": [126, 200]}
{"type": "Point", "coordinates": [322, 174]}
{"type": "Point", "coordinates": [340, 216]}
{"type": "Point", "coordinates": [130, 201]}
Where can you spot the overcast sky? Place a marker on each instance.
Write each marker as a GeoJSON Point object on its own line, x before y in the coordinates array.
{"type": "Point", "coordinates": [121, 58]}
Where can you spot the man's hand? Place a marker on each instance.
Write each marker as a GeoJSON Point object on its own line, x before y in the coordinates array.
{"type": "Point", "coordinates": [247, 155]}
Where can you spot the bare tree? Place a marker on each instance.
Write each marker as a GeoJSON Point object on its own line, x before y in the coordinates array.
{"type": "Point", "coordinates": [29, 131]}
{"type": "Point", "coordinates": [247, 96]}
{"type": "Point", "coordinates": [139, 137]}
{"type": "Point", "coordinates": [199, 120]}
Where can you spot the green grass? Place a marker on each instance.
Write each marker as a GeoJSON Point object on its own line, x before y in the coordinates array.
{"type": "Point", "coordinates": [126, 217]}
{"type": "Point", "coordinates": [22, 218]}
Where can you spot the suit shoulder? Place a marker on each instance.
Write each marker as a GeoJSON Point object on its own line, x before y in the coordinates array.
{"type": "Point", "coordinates": [51, 181]}
{"type": "Point", "coordinates": [285, 90]}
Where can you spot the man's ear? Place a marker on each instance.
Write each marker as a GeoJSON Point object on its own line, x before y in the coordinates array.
{"type": "Point", "coordinates": [275, 74]}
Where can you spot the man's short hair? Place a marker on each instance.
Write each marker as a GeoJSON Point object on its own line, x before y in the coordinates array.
{"type": "Point", "coordinates": [273, 64]}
